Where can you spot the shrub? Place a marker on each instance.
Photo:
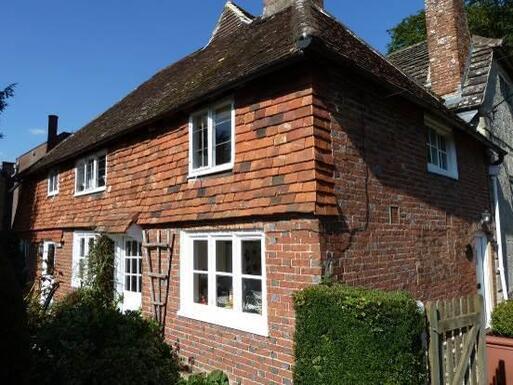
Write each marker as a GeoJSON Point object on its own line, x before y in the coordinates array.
{"type": "Point", "coordinates": [100, 270]}
{"type": "Point", "coordinates": [350, 336]}
{"type": "Point", "coordinates": [217, 377]}
{"type": "Point", "coordinates": [502, 319]}
{"type": "Point", "coordinates": [84, 340]}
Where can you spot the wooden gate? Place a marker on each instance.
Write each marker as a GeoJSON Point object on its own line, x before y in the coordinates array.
{"type": "Point", "coordinates": [457, 341]}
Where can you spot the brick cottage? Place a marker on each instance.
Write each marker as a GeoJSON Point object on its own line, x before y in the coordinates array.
{"type": "Point", "coordinates": [284, 151]}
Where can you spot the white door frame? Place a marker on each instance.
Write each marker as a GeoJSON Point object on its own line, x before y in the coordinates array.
{"type": "Point", "coordinates": [484, 274]}
{"type": "Point", "coordinates": [47, 280]}
{"type": "Point", "coordinates": [130, 300]}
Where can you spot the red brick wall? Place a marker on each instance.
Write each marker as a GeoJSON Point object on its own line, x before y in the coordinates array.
{"type": "Point", "coordinates": [379, 161]}
{"type": "Point", "coordinates": [292, 262]}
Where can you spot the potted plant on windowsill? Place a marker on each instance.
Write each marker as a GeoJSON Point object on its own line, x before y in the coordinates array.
{"type": "Point", "coordinates": [499, 346]}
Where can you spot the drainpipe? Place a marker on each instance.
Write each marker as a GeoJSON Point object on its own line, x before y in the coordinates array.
{"type": "Point", "coordinates": [493, 172]}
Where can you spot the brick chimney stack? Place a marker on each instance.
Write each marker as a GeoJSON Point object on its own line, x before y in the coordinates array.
{"type": "Point", "coordinates": [274, 6]}
{"type": "Point", "coordinates": [53, 126]}
{"type": "Point", "coordinates": [449, 44]}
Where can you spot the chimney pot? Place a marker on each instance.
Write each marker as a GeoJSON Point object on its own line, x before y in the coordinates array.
{"type": "Point", "coordinates": [274, 6]}
{"type": "Point", "coordinates": [53, 126]}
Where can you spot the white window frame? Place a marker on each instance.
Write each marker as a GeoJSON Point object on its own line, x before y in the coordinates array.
{"type": "Point", "coordinates": [82, 163]}
{"type": "Point", "coordinates": [76, 280]}
{"type": "Point", "coordinates": [452, 158]}
{"type": "Point", "coordinates": [53, 174]}
{"type": "Point", "coordinates": [232, 318]}
{"type": "Point", "coordinates": [211, 168]}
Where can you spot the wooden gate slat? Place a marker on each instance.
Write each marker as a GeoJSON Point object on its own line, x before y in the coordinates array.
{"type": "Point", "coordinates": [457, 341]}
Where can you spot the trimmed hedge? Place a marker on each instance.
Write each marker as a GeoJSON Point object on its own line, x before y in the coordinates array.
{"type": "Point", "coordinates": [352, 336]}
{"type": "Point", "coordinates": [502, 319]}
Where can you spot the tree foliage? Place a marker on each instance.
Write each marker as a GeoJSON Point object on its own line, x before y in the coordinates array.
{"type": "Point", "coordinates": [7, 93]}
{"type": "Point", "coordinates": [488, 18]}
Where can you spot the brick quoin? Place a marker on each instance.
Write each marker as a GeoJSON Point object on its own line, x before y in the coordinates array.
{"type": "Point", "coordinates": [321, 155]}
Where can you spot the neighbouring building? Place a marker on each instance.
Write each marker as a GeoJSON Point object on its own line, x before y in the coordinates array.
{"type": "Point", "coordinates": [284, 151]}
{"type": "Point", "coordinates": [24, 162]}
{"type": "Point", "coordinates": [474, 76]}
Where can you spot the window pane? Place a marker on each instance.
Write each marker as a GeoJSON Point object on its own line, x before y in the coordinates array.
{"type": "Point", "coordinates": [201, 288]}
{"type": "Point", "coordinates": [127, 265]}
{"type": "Point", "coordinates": [101, 171]}
{"type": "Point", "coordinates": [50, 260]}
{"type": "Point", "coordinates": [224, 292]}
{"type": "Point", "coordinates": [441, 142]}
{"type": "Point", "coordinates": [139, 267]}
{"type": "Point", "coordinates": [200, 141]}
{"type": "Point", "coordinates": [52, 182]}
{"type": "Point", "coordinates": [81, 252]}
{"type": "Point", "coordinates": [223, 134]}
{"type": "Point", "coordinates": [223, 153]}
{"type": "Point", "coordinates": [134, 265]}
{"type": "Point", "coordinates": [89, 180]}
{"type": "Point", "coordinates": [224, 256]}
{"type": "Point", "coordinates": [443, 160]}
{"type": "Point", "coordinates": [133, 287]}
{"type": "Point", "coordinates": [434, 156]}
{"type": "Point", "coordinates": [200, 255]}
{"type": "Point", "coordinates": [128, 249]}
{"type": "Point", "coordinates": [80, 177]}
{"type": "Point", "coordinates": [252, 257]}
{"type": "Point", "coordinates": [139, 288]}
{"type": "Point", "coordinates": [127, 283]}
{"type": "Point", "coordinates": [252, 296]}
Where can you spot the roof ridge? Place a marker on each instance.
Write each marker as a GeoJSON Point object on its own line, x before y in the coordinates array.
{"type": "Point", "coordinates": [304, 25]}
{"type": "Point", "coordinates": [240, 11]}
{"type": "Point", "coordinates": [244, 16]}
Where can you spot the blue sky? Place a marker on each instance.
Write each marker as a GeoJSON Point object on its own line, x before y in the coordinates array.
{"type": "Point", "coordinates": [77, 58]}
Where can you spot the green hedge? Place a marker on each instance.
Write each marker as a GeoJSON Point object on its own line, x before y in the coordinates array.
{"type": "Point", "coordinates": [351, 336]}
{"type": "Point", "coordinates": [502, 319]}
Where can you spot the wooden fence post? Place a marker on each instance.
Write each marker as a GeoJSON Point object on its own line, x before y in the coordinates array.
{"type": "Point", "coordinates": [434, 343]}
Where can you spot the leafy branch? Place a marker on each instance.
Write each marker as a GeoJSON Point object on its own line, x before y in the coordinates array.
{"type": "Point", "coordinates": [7, 93]}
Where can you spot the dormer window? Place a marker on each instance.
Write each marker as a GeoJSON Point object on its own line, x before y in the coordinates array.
{"type": "Point", "coordinates": [441, 150]}
{"type": "Point", "coordinates": [53, 183]}
{"type": "Point", "coordinates": [211, 140]}
{"type": "Point", "coordinates": [90, 174]}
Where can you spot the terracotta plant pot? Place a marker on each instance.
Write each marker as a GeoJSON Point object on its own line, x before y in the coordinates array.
{"type": "Point", "coordinates": [500, 360]}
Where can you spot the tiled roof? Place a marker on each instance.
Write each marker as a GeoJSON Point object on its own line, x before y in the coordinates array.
{"type": "Point", "coordinates": [414, 61]}
{"type": "Point", "coordinates": [239, 51]}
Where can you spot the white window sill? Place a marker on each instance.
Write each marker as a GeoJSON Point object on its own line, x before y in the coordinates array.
{"type": "Point", "coordinates": [211, 170]}
{"type": "Point", "coordinates": [53, 194]}
{"type": "Point", "coordinates": [249, 323]}
{"type": "Point", "coordinates": [453, 174]}
{"type": "Point", "coordinates": [92, 191]}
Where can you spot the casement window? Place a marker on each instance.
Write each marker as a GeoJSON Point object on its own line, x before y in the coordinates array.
{"type": "Point", "coordinates": [222, 280]}
{"type": "Point", "coordinates": [212, 140]}
{"type": "Point", "coordinates": [82, 244]}
{"type": "Point", "coordinates": [441, 150]}
{"type": "Point", "coordinates": [53, 183]}
{"type": "Point", "coordinates": [90, 174]}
